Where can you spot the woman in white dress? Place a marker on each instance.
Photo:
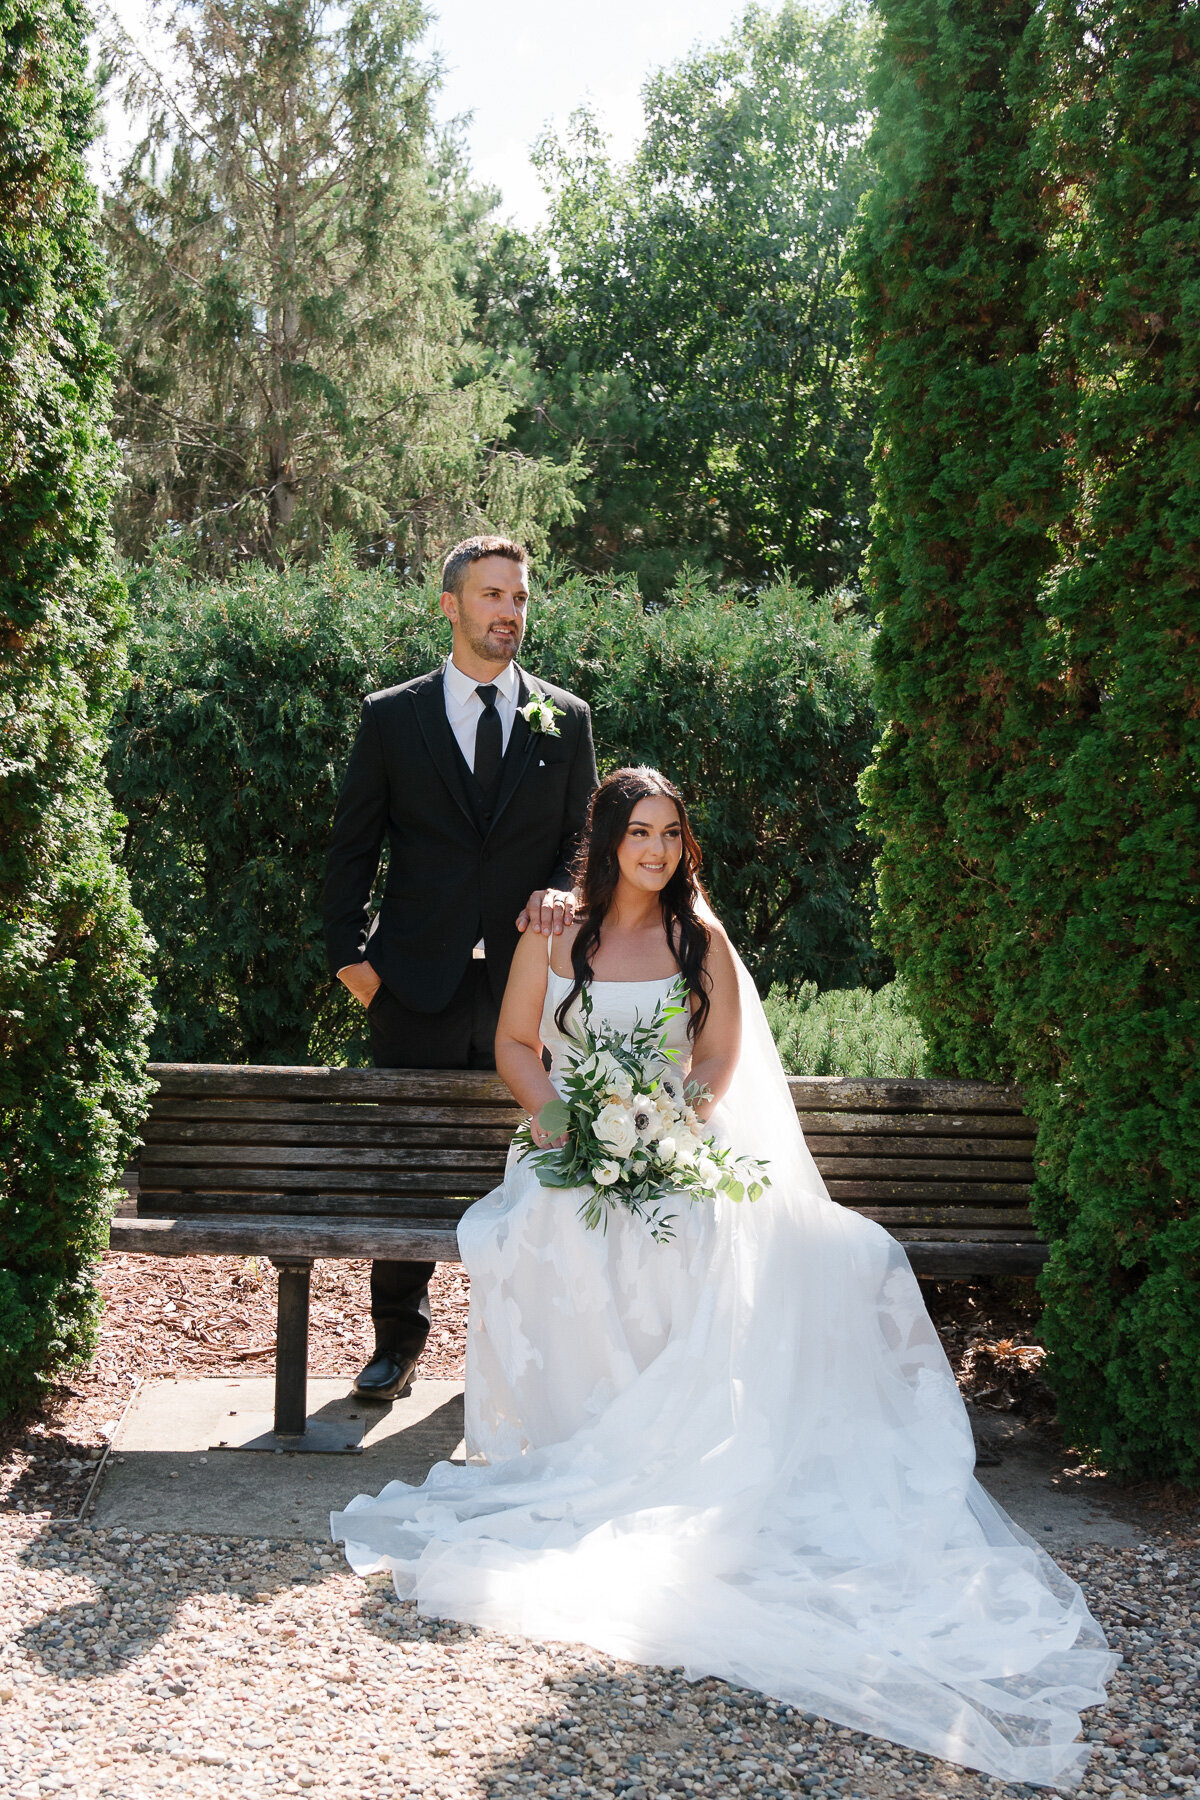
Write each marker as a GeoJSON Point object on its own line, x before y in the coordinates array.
{"type": "Point", "coordinates": [742, 1451]}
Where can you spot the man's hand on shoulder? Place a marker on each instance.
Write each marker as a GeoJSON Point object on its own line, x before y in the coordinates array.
{"type": "Point", "coordinates": [548, 910]}
{"type": "Point", "coordinates": [362, 979]}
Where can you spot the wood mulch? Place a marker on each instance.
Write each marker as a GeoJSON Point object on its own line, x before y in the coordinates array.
{"type": "Point", "coordinates": [193, 1316]}
{"type": "Point", "coordinates": [199, 1316]}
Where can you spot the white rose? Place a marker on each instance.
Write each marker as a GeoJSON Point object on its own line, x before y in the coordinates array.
{"type": "Point", "coordinates": [605, 1173]}
{"type": "Point", "coordinates": [709, 1171]}
{"type": "Point", "coordinates": [687, 1146]}
{"type": "Point", "coordinates": [615, 1080]}
{"type": "Point", "coordinates": [667, 1149]}
{"type": "Point", "coordinates": [614, 1128]}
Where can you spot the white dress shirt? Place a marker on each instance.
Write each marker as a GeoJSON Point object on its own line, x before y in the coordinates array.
{"type": "Point", "coordinates": [464, 708]}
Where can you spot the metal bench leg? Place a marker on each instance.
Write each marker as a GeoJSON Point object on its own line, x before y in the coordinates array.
{"type": "Point", "coordinates": [291, 1349]}
{"type": "Point", "coordinates": [293, 1430]}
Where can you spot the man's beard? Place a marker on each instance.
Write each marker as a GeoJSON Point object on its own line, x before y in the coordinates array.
{"type": "Point", "coordinates": [491, 649]}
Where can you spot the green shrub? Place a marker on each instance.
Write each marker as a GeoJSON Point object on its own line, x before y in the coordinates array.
{"type": "Point", "coordinates": [227, 754]}
{"type": "Point", "coordinates": [73, 1005]}
{"type": "Point", "coordinates": [1030, 273]}
{"type": "Point", "coordinates": [847, 1031]}
{"type": "Point", "coordinates": [245, 694]}
{"type": "Point", "coordinates": [762, 716]}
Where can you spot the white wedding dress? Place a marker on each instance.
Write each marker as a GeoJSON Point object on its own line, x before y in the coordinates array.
{"type": "Point", "coordinates": [743, 1452]}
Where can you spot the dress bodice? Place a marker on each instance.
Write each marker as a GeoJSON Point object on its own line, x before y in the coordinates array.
{"type": "Point", "coordinates": [618, 1003]}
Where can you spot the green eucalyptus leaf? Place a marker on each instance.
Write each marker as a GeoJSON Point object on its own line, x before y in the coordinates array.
{"type": "Point", "coordinates": [555, 1117]}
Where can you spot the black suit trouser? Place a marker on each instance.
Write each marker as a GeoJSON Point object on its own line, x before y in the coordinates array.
{"type": "Point", "coordinates": [461, 1036]}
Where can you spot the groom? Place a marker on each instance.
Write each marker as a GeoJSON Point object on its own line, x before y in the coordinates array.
{"type": "Point", "coordinates": [479, 776]}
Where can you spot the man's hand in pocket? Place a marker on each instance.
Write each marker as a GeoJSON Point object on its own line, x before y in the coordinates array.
{"type": "Point", "coordinates": [362, 979]}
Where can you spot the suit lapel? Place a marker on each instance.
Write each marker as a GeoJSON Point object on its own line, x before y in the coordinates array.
{"type": "Point", "coordinates": [429, 701]}
{"type": "Point", "coordinates": [521, 744]}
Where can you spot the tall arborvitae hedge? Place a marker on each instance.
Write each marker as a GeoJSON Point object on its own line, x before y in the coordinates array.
{"type": "Point", "coordinates": [1030, 285]}
{"type": "Point", "coordinates": [73, 1007]}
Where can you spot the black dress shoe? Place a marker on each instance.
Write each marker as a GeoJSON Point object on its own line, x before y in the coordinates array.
{"type": "Point", "coordinates": [388, 1376]}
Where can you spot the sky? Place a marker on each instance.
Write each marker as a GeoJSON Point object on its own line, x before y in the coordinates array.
{"type": "Point", "coordinates": [518, 65]}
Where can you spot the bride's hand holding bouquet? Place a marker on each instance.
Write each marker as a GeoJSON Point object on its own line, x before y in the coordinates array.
{"type": "Point", "coordinates": [626, 1127]}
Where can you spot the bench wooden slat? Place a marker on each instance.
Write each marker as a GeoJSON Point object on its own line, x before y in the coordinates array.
{"type": "Point", "coordinates": [448, 1087]}
{"type": "Point", "coordinates": [273, 1157]}
{"type": "Point", "coordinates": [979, 1193]}
{"type": "Point", "coordinates": [914, 1124]}
{"type": "Point", "coordinates": [899, 1216]}
{"type": "Point", "coordinates": [1006, 1152]}
{"type": "Point", "coordinates": [934, 1169]}
{"type": "Point", "coordinates": [242, 1081]}
{"type": "Point", "coordinates": [344, 1197]}
{"type": "Point", "coordinates": [887, 1164]}
{"type": "Point", "coordinates": [386, 1112]}
{"type": "Point", "coordinates": [329, 1132]}
{"type": "Point", "coordinates": [845, 1093]}
{"type": "Point", "coordinates": [282, 1237]}
{"type": "Point", "coordinates": [399, 1203]}
{"type": "Point", "coordinates": [415, 1197]}
{"type": "Point", "coordinates": [958, 1234]}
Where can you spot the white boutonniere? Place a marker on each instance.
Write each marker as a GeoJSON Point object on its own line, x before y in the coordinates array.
{"type": "Point", "coordinates": [541, 715]}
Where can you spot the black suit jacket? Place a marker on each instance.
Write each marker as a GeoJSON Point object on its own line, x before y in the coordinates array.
{"type": "Point", "coordinates": [453, 875]}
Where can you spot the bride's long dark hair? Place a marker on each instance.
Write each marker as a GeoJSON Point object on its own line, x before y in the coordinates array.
{"type": "Point", "coordinates": [597, 872]}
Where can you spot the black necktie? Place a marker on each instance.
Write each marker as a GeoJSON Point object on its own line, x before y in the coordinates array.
{"type": "Point", "coordinates": [489, 740]}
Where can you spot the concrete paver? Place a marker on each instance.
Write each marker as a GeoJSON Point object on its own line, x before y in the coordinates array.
{"type": "Point", "coordinates": [166, 1477]}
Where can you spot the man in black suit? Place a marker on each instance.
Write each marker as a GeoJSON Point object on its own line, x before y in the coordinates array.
{"type": "Point", "coordinates": [480, 777]}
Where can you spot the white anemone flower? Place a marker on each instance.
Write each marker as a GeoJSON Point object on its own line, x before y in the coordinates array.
{"type": "Point", "coordinates": [670, 1083]}
{"type": "Point", "coordinates": [648, 1121]}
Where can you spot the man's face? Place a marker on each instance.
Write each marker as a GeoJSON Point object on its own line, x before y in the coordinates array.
{"type": "Point", "coordinates": [489, 616]}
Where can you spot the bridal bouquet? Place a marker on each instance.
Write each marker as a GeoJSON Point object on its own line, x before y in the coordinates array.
{"type": "Point", "coordinates": [632, 1134]}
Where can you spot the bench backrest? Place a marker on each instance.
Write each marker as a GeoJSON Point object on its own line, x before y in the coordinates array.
{"type": "Point", "coordinates": [927, 1158]}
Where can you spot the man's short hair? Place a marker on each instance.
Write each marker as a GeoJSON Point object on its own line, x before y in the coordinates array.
{"type": "Point", "coordinates": [473, 550]}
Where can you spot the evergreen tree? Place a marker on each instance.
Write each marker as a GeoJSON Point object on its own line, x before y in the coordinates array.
{"type": "Point", "coordinates": [1029, 267]}
{"type": "Point", "coordinates": [1098, 971]}
{"type": "Point", "coordinates": [966, 490]}
{"type": "Point", "coordinates": [292, 358]}
{"type": "Point", "coordinates": [73, 1009]}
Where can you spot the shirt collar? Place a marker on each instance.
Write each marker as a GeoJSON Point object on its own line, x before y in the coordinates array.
{"type": "Point", "coordinates": [461, 688]}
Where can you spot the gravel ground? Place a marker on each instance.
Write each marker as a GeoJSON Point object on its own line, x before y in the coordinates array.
{"type": "Point", "coordinates": [135, 1665]}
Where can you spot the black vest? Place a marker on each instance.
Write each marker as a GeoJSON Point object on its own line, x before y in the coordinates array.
{"type": "Point", "coordinates": [482, 804]}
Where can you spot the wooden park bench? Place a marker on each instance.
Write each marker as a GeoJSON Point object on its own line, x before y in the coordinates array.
{"type": "Point", "coordinates": [300, 1164]}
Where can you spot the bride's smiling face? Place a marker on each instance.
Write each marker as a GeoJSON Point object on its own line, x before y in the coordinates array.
{"type": "Point", "coordinates": [649, 852]}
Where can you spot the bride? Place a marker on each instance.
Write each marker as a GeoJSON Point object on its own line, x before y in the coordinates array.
{"type": "Point", "coordinates": [742, 1451]}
